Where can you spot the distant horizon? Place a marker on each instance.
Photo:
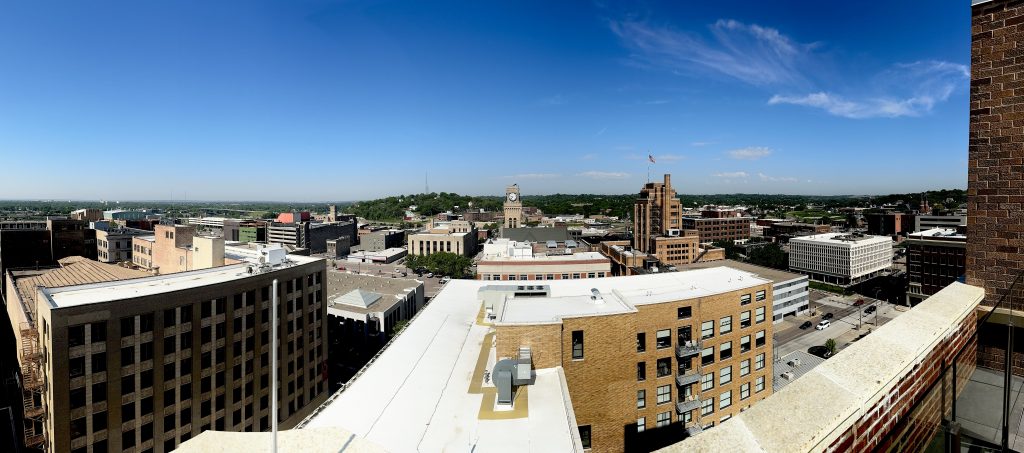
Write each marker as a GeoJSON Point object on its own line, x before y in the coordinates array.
{"type": "Point", "coordinates": [525, 196]}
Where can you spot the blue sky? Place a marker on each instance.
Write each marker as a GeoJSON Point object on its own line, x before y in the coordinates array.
{"type": "Point", "coordinates": [317, 100]}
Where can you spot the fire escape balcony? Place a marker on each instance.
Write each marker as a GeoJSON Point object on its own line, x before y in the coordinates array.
{"type": "Point", "coordinates": [688, 349]}
{"type": "Point", "coordinates": [690, 377]}
{"type": "Point", "coordinates": [688, 405]}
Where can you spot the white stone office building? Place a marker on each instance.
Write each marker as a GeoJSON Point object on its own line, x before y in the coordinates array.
{"type": "Point", "coordinates": [840, 258]}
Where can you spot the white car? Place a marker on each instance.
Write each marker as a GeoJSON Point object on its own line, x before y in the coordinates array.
{"type": "Point", "coordinates": [822, 325]}
{"type": "Point", "coordinates": [446, 280]}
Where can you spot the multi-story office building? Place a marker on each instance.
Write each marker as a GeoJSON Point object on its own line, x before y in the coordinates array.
{"type": "Point", "coordinates": [116, 245]}
{"type": "Point", "coordinates": [613, 364]}
{"type": "Point", "coordinates": [88, 214]}
{"type": "Point", "coordinates": [789, 290]}
{"type": "Point", "coordinates": [716, 229]}
{"type": "Point", "coordinates": [893, 224]}
{"type": "Point", "coordinates": [457, 236]}
{"type": "Point", "coordinates": [312, 236]}
{"type": "Point", "coordinates": [927, 222]}
{"type": "Point", "coordinates": [510, 260]}
{"type": "Point", "coordinates": [935, 258]}
{"type": "Point", "coordinates": [382, 240]}
{"type": "Point", "coordinates": [656, 211]}
{"type": "Point", "coordinates": [39, 243]}
{"type": "Point", "coordinates": [122, 214]}
{"type": "Point", "coordinates": [839, 258]}
{"type": "Point", "coordinates": [145, 363]}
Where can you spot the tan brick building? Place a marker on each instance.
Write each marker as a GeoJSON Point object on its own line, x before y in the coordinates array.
{"type": "Point", "coordinates": [114, 360]}
{"type": "Point", "coordinates": [654, 359]}
{"type": "Point", "coordinates": [656, 212]}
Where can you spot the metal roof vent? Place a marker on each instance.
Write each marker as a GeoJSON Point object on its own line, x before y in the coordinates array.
{"type": "Point", "coordinates": [595, 296]}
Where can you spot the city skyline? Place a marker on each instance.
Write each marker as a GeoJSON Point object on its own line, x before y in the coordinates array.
{"type": "Point", "coordinates": [558, 98]}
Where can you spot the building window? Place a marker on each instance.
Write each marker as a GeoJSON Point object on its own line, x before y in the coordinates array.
{"type": "Point", "coordinates": [759, 361]}
{"type": "Point", "coordinates": [707, 381]}
{"type": "Point", "coordinates": [744, 344]}
{"type": "Point", "coordinates": [759, 316]}
{"type": "Point", "coordinates": [707, 407]}
{"type": "Point", "coordinates": [744, 391]}
{"type": "Point", "coordinates": [745, 319]}
{"type": "Point", "coordinates": [759, 339]}
{"type": "Point", "coordinates": [725, 399]}
{"type": "Point", "coordinates": [759, 384]}
{"type": "Point", "coordinates": [585, 436]}
{"type": "Point", "coordinates": [641, 399]}
{"type": "Point", "coordinates": [725, 350]}
{"type": "Point", "coordinates": [725, 325]}
{"type": "Point", "coordinates": [707, 329]}
{"type": "Point", "coordinates": [575, 276]}
{"type": "Point", "coordinates": [664, 419]}
{"type": "Point", "coordinates": [664, 394]}
{"type": "Point", "coordinates": [641, 371]}
{"type": "Point", "coordinates": [641, 342]}
{"type": "Point", "coordinates": [577, 345]}
{"type": "Point", "coordinates": [663, 339]}
{"type": "Point", "coordinates": [684, 312]}
{"type": "Point", "coordinates": [745, 299]}
{"type": "Point", "coordinates": [99, 331]}
{"type": "Point", "coordinates": [707, 355]}
{"type": "Point", "coordinates": [745, 367]}
{"type": "Point", "coordinates": [76, 336]}
{"type": "Point", "coordinates": [641, 424]}
{"type": "Point", "coordinates": [664, 366]}
{"type": "Point", "coordinates": [725, 375]}
{"type": "Point", "coordinates": [760, 296]}
{"type": "Point", "coordinates": [127, 326]}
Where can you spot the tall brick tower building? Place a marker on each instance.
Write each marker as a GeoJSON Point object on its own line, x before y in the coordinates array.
{"type": "Point", "coordinates": [655, 211]}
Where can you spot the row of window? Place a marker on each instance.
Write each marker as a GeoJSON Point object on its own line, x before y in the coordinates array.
{"type": "Point", "coordinates": [566, 276]}
{"type": "Point", "coordinates": [707, 328]}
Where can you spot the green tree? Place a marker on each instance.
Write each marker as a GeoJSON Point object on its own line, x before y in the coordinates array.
{"type": "Point", "coordinates": [732, 251]}
{"type": "Point", "coordinates": [830, 346]}
{"type": "Point", "coordinates": [398, 327]}
{"type": "Point", "coordinates": [768, 255]}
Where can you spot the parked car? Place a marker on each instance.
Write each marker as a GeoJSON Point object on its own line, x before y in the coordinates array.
{"type": "Point", "coordinates": [858, 303]}
{"type": "Point", "coordinates": [806, 325]}
{"type": "Point", "coordinates": [870, 309]}
{"type": "Point", "coordinates": [827, 316]}
{"type": "Point", "coordinates": [822, 325]}
{"type": "Point", "coordinates": [446, 279]}
{"type": "Point", "coordinates": [430, 275]}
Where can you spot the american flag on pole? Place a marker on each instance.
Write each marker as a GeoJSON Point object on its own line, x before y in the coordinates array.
{"type": "Point", "coordinates": [650, 158]}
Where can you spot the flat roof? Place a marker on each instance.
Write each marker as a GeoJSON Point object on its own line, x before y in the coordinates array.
{"type": "Point", "coordinates": [582, 256]}
{"type": "Point", "coordinates": [74, 271]}
{"type": "Point", "coordinates": [811, 412]}
{"type": "Point", "coordinates": [572, 298]}
{"type": "Point", "coordinates": [841, 238]}
{"type": "Point", "coordinates": [938, 233]}
{"type": "Point", "coordinates": [807, 362]}
{"type": "Point", "coordinates": [321, 440]}
{"type": "Point", "coordinates": [392, 290]}
{"type": "Point", "coordinates": [775, 275]}
{"type": "Point", "coordinates": [423, 392]}
{"type": "Point", "coordinates": [139, 287]}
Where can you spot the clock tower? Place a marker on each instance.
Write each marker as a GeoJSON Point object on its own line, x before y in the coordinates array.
{"type": "Point", "coordinates": [513, 207]}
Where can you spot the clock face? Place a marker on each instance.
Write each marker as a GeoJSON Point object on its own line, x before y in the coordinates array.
{"type": "Point", "coordinates": [513, 197]}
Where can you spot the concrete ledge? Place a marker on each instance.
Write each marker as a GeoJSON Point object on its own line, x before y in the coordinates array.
{"type": "Point", "coordinates": [314, 440]}
{"type": "Point", "coordinates": [814, 411]}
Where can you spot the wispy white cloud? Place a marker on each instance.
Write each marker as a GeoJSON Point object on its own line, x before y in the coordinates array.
{"type": "Point", "coordinates": [603, 175]}
{"type": "Point", "coordinates": [590, 156]}
{"type": "Point", "coordinates": [909, 90]}
{"type": "Point", "coordinates": [750, 53]}
{"type": "Point", "coordinates": [767, 178]}
{"type": "Point", "coordinates": [731, 175]}
{"type": "Point", "coordinates": [750, 153]}
{"type": "Point", "coordinates": [533, 176]}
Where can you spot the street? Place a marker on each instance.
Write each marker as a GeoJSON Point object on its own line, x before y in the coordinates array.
{"type": "Point", "coordinates": [844, 326]}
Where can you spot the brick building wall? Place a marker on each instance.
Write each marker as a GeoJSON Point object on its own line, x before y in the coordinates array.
{"type": "Point", "coordinates": [544, 340]}
{"type": "Point", "coordinates": [995, 181]}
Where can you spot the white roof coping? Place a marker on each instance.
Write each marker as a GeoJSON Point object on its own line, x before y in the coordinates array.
{"type": "Point", "coordinates": [321, 440]}
{"type": "Point", "coordinates": [583, 256]}
{"type": "Point", "coordinates": [938, 232]}
{"type": "Point", "coordinates": [813, 411]}
{"type": "Point", "coordinates": [836, 239]}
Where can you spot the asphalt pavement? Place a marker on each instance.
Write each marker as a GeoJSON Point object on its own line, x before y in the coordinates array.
{"type": "Point", "coordinates": [848, 322]}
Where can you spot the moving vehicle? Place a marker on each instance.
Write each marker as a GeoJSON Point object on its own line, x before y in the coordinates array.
{"type": "Point", "coordinates": [806, 325]}
{"type": "Point", "coordinates": [858, 303]}
{"type": "Point", "coordinates": [822, 325]}
{"type": "Point", "coordinates": [827, 316]}
{"type": "Point", "coordinates": [870, 309]}
{"type": "Point", "coordinates": [819, 351]}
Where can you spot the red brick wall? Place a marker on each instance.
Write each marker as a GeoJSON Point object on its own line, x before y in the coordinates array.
{"type": "Point", "coordinates": [995, 187]}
